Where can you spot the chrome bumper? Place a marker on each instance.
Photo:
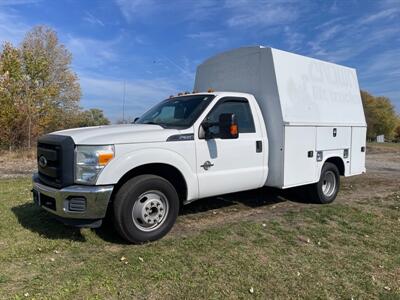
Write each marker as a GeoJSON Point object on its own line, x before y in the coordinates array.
{"type": "Point", "coordinates": [97, 198]}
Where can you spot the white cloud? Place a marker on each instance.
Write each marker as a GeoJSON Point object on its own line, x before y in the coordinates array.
{"type": "Point", "coordinates": [189, 11]}
{"type": "Point", "coordinates": [387, 62]}
{"type": "Point", "coordinates": [384, 14]}
{"type": "Point", "coordinates": [210, 39]}
{"type": "Point", "coordinates": [92, 19]}
{"type": "Point", "coordinates": [341, 39]}
{"type": "Point", "coordinates": [293, 39]}
{"type": "Point", "coordinates": [134, 9]}
{"type": "Point", "coordinates": [12, 28]}
{"type": "Point", "coordinates": [92, 53]}
{"type": "Point", "coordinates": [246, 14]}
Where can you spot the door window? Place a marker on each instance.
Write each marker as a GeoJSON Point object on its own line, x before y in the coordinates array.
{"type": "Point", "coordinates": [239, 107]}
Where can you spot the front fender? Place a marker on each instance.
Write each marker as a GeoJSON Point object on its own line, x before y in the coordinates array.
{"type": "Point", "coordinates": [121, 165]}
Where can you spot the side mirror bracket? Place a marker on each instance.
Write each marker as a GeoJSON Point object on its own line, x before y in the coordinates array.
{"type": "Point", "coordinates": [205, 132]}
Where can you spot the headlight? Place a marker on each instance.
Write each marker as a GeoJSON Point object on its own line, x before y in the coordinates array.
{"type": "Point", "coordinates": [90, 160]}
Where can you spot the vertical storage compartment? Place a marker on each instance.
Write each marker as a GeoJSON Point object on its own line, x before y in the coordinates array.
{"type": "Point", "coordinates": [358, 148]}
{"type": "Point", "coordinates": [300, 165]}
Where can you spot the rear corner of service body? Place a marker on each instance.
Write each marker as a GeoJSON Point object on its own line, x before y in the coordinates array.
{"type": "Point", "coordinates": [322, 114]}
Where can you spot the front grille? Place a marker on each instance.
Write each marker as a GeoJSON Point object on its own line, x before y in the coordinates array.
{"type": "Point", "coordinates": [55, 156]}
{"type": "Point", "coordinates": [52, 154]}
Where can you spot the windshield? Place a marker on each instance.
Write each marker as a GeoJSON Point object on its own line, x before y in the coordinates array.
{"type": "Point", "coordinates": [180, 112]}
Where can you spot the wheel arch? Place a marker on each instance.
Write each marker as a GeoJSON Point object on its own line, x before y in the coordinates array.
{"type": "Point", "coordinates": [157, 161]}
{"type": "Point", "coordinates": [164, 170]}
{"type": "Point", "coordinates": [338, 162]}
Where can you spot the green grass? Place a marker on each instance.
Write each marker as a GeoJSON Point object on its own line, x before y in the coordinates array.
{"type": "Point", "coordinates": [332, 251]}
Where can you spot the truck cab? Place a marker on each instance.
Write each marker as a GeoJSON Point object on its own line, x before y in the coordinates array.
{"type": "Point", "coordinates": [193, 146]}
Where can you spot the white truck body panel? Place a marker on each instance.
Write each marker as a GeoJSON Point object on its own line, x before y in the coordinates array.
{"type": "Point", "coordinates": [326, 140]}
{"type": "Point", "coordinates": [121, 134]}
{"type": "Point", "coordinates": [305, 170]}
{"type": "Point", "coordinates": [303, 100]}
{"type": "Point", "coordinates": [181, 155]}
{"type": "Point", "coordinates": [231, 172]}
{"type": "Point", "coordinates": [357, 158]}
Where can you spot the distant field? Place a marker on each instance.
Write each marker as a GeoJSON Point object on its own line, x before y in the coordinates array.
{"type": "Point", "coordinates": [260, 244]}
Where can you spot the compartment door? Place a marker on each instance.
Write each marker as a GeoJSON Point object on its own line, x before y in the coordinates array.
{"type": "Point", "coordinates": [300, 164]}
{"type": "Point", "coordinates": [358, 140]}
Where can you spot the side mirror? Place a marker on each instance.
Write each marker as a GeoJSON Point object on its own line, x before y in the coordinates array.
{"type": "Point", "coordinates": [135, 119]}
{"type": "Point", "coordinates": [228, 126]}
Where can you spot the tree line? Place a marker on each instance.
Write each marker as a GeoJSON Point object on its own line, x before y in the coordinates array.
{"type": "Point", "coordinates": [381, 117]}
{"type": "Point", "coordinates": [39, 92]}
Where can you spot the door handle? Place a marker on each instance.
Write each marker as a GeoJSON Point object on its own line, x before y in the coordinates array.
{"type": "Point", "coordinates": [207, 164]}
{"type": "Point", "coordinates": [258, 146]}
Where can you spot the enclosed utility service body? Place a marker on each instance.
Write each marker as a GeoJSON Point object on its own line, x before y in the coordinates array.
{"type": "Point", "coordinates": [308, 106]}
{"type": "Point", "coordinates": [258, 117]}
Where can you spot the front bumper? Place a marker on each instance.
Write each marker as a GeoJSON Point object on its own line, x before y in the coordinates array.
{"type": "Point", "coordinates": [77, 202]}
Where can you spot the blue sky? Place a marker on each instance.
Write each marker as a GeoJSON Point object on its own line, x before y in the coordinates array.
{"type": "Point", "coordinates": [154, 46]}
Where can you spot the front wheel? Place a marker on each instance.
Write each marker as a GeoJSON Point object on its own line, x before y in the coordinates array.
{"type": "Point", "coordinates": [327, 188]}
{"type": "Point", "coordinates": [145, 208]}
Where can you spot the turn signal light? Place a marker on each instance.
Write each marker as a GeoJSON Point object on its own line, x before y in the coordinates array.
{"type": "Point", "coordinates": [105, 157]}
{"type": "Point", "coordinates": [234, 129]}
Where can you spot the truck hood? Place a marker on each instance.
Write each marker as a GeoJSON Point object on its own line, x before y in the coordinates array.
{"type": "Point", "coordinates": [118, 134]}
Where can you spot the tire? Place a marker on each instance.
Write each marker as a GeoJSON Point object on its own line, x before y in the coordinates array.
{"type": "Point", "coordinates": [327, 188]}
{"type": "Point", "coordinates": [145, 208]}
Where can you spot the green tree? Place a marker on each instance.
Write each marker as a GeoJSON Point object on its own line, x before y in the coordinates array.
{"type": "Point", "coordinates": [39, 92]}
{"type": "Point", "coordinates": [380, 115]}
{"type": "Point", "coordinates": [54, 87]}
{"type": "Point", "coordinates": [11, 96]}
{"type": "Point", "coordinates": [397, 130]}
{"type": "Point", "coordinates": [92, 117]}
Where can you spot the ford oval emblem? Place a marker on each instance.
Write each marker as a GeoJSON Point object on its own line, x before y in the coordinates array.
{"type": "Point", "coordinates": [42, 161]}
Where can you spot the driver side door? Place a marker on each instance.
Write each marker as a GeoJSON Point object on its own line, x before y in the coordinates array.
{"type": "Point", "coordinates": [230, 165]}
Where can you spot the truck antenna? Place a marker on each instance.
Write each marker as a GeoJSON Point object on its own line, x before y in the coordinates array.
{"type": "Point", "coordinates": [123, 103]}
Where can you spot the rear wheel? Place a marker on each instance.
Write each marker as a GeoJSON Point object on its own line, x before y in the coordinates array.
{"type": "Point", "coordinates": [145, 208]}
{"type": "Point", "coordinates": [327, 188]}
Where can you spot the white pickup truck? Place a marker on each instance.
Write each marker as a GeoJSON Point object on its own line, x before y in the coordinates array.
{"type": "Point", "coordinates": [258, 117]}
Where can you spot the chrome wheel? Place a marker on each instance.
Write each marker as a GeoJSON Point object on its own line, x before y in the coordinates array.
{"type": "Point", "coordinates": [329, 184]}
{"type": "Point", "coordinates": [150, 210]}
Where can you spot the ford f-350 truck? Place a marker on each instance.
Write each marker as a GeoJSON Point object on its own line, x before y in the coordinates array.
{"type": "Point", "coordinates": [258, 117]}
